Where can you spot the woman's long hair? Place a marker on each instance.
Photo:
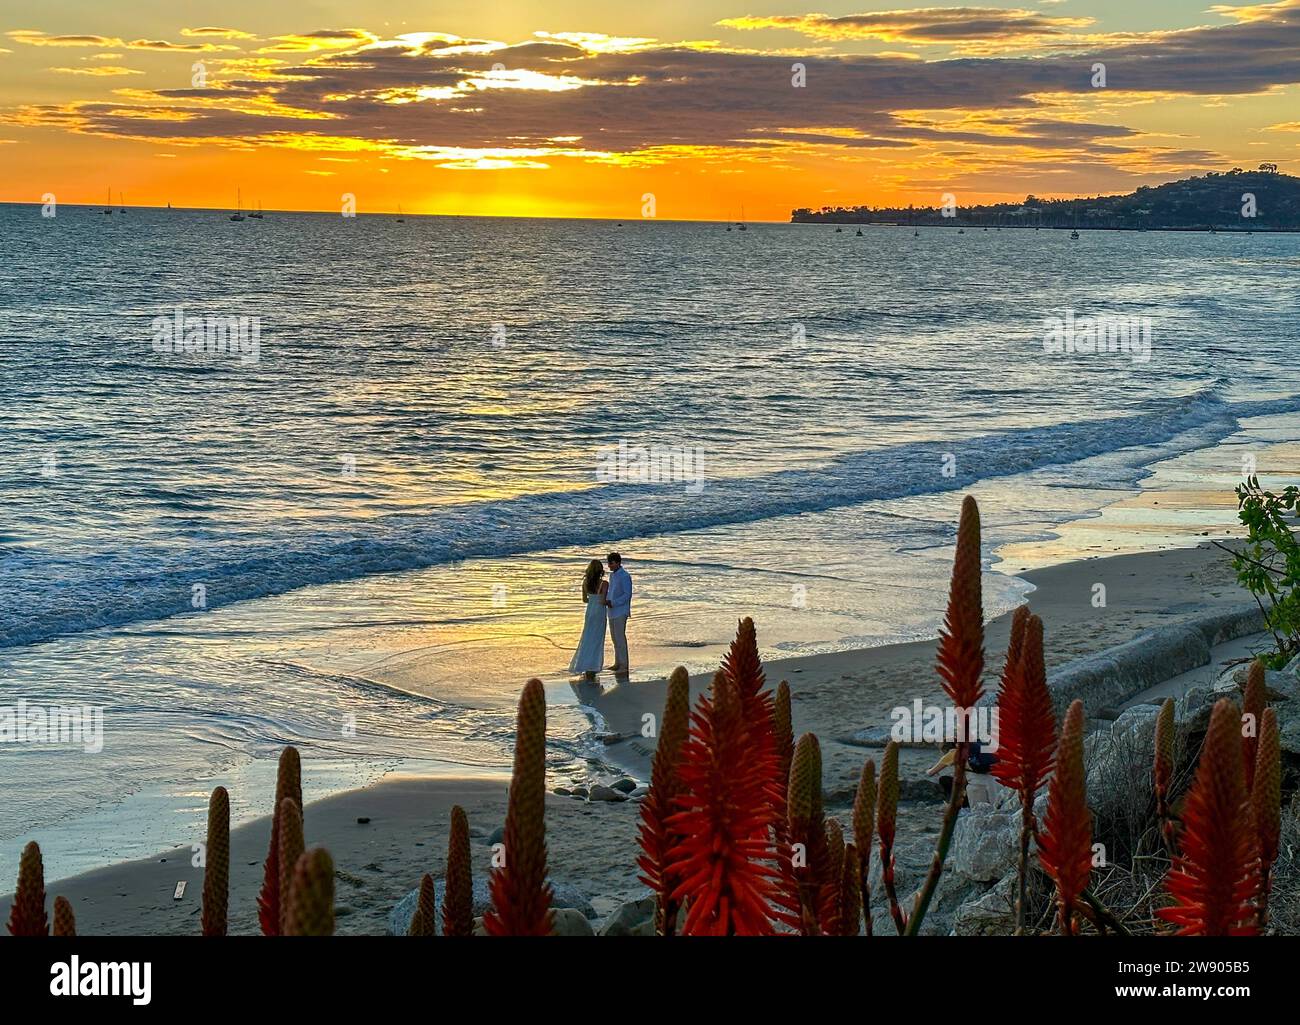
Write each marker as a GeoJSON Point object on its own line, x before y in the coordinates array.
{"type": "Point", "coordinates": [591, 579]}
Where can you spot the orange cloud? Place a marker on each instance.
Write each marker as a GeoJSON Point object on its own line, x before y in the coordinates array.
{"type": "Point", "coordinates": [218, 33]}
{"type": "Point", "coordinates": [34, 38]}
{"type": "Point", "coordinates": [101, 71]}
{"type": "Point", "coordinates": [927, 25]}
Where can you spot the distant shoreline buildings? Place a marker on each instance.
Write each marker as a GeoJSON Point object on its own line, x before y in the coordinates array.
{"type": "Point", "coordinates": [1236, 200]}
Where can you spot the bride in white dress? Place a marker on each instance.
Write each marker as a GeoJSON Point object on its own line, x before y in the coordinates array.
{"type": "Point", "coordinates": [589, 659]}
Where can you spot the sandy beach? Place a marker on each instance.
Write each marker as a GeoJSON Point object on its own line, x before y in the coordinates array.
{"type": "Point", "coordinates": [384, 836]}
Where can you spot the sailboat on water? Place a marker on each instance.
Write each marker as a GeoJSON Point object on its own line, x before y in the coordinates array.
{"type": "Point", "coordinates": [258, 213]}
{"type": "Point", "coordinates": [122, 200]}
{"type": "Point", "coordinates": [238, 215]}
{"type": "Point", "coordinates": [108, 210]}
{"type": "Point", "coordinates": [400, 218]}
{"type": "Point", "coordinates": [741, 224]}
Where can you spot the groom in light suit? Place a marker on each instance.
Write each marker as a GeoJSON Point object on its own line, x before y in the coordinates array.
{"type": "Point", "coordinates": [618, 599]}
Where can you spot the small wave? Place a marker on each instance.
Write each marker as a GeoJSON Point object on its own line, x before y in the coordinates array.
{"type": "Point", "coordinates": [144, 590]}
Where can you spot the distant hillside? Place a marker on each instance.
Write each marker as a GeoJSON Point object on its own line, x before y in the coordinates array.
{"type": "Point", "coordinates": [1214, 201]}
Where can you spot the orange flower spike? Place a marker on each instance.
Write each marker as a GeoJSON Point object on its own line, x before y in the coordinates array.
{"type": "Point", "coordinates": [458, 895]}
{"type": "Point", "coordinates": [1266, 798]}
{"type": "Point", "coordinates": [291, 848]}
{"type": "Point", "coordinates": [1215, 881]}
{"type": "Point", "coordinates": [1065, 847]}
{"type": "Point", "coordinates": [742, 664]}
{"type": "Point", "coordinates": [1251, 713]}
{"type": "Point", "coordinates": [1026, 723]}
{"type": "Point", "coordinates": [288, 783]}
{"type": "Point", "coordinates": [521, 896]}
{"type": "Point", "coordinates": [832, 896]}
{"type": "Point", "coordinates": [725, 854]}
{"type": "Point", "coordinates": [65, 922]}
{"type": "Point", "coordinates": [310, 898]}
{"type": "Point", "coordinates": [1163, 770]}
{"type": "Point", "coordinates": [423, 922]}
{"type": "Point", "coordinates": [851, 893]}
{"type": "Point", "coordinates": [864, 827]}
{"type": "Point", "coordinates": [886, 825]}
{"type": "Point", "coordinates": [783, 733]}
{"type": "Point", "coordinates": [1266, 805]}
{"type": "Point", "coordinates": [656, 838]}
{"type": "Point", "coordinates": [961, 641]}
{"type": "Point", "coordinates": [27, 912]}
{"type": "Point", "coordinates": [216, 865]}
{"type": "Point", "coordinates": [806, 829]}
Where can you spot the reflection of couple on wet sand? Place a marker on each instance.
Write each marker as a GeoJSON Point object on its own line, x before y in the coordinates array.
{"type": "Point", "coordinates": [609, 602]}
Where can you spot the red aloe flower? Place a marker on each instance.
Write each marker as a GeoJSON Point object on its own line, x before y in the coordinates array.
{"type": "Point", "coordinates": [288, 783]}
{"type": "Point", "coordinates": [831, 902]}
{"type": "Point", "coordinates": [1251, 713]}
{"type": "Point", "coordinates": [27, 912]}
{"type": "Point", "coordinates": [744, 668]}
{"type": "Point", "coordinates": [458, 888]}
{"type": "Point", "coordinates": [1266, 803]}
{"type": "Point", "coordinates": [290, 848]}
{"type": "Point", "coordinates": [424, 921]}
{"type": "Point", "coordinates": [725, 850]}
{"type": "Point", "coordinates": [961, 641]}
{"type": "Point", "coordinates": [521, 896]}
{"type": "Point", "coordinates": [851, 892]}
{"type": "Point", "coordinates": [783, 735]}
{"type": "Point", "coordinates": [1065, 846]}
{"type": "Point", "coordinates": [660, 803]}
{"type": "Point", "coordinates": [216, 871]}
{"type": "Point", "coordinates": [1026, 725]}
{"type": "Point", "coordinates": [1026, 732]}
{"type": "Point", "coordinates": [65, 922]}
{"type": "Point", "coordinates": [1215, 881]}
{"type": "Point", "coordinates": [864, 828]}
{"type": "Point", "coordinates": [886, 826]}
{"type": "Point", "coordinates": [806, 834]}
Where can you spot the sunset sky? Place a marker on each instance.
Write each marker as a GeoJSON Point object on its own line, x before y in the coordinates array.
{"type": "Point", "coordinates": [580, 107]}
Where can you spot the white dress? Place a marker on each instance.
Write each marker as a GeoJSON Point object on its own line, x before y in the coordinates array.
{"type": "Point", "coordinates": [590, 656]}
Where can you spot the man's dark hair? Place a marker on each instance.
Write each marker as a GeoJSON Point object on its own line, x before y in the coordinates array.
{"type": "Point", "coordinates": [615, 558]}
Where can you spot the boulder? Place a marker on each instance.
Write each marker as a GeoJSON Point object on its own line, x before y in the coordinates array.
{"type": "Point", "coordinates": [1118, 761]}
{"type": "Point", "coordinates": [985, 844]}
{"type": "Point", "coordinates": [624, 785]}
{"type": "Point", "coordinates": [571, 922]}
{"type": "Point", "coordinates": [635, 918]}
{"type": "Point", "coordinates": [1192, 710]}
{"type": "Point", "coordinates": [399, 919]}
{"type": "Point", "coordinates": [1112, 676]}
{"type": "Point", "coordinates": [603, 793]}
{"type": "Point", "coordinates": [993, 913]}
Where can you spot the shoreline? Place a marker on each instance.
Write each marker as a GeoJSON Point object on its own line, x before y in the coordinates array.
{"type": "Point", "coordinates": [834, 695]}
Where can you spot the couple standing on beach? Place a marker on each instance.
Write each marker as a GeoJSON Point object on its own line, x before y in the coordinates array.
{"type": "Point", "coordinates": [609, 602]}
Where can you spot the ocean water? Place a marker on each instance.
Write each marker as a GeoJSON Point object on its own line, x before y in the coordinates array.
{"type": "Point", "coordinates": [363, 534]}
